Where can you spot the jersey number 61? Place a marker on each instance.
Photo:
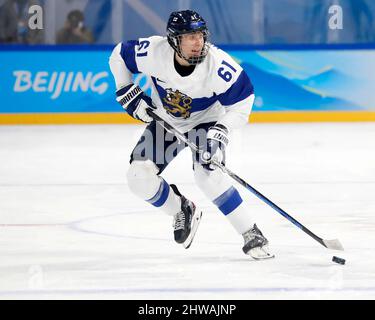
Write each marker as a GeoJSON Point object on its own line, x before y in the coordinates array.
{"type": "Point", "coordinates": [225, 74]}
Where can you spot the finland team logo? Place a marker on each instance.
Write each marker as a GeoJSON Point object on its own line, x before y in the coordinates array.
{"type": "Point", "coordinates": [177, 104]}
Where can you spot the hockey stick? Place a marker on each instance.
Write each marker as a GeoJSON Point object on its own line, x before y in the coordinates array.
{"type": "Point", "coordinates": [330, 244]}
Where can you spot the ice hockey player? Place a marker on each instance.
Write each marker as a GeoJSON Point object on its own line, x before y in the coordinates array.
{"type": "Point", "coordinates": [202, 92]}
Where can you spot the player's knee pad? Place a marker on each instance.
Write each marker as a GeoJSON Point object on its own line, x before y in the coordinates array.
{"type": "Point", "coordinates": [212, 183]}
{"type": "Point", "coordinates": [143, 179]}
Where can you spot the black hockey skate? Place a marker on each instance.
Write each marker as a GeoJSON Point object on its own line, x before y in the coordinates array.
{"type": "Point", "coordinates": [256, 245]}
{"type": "Point", "coordinates": [186, 221]}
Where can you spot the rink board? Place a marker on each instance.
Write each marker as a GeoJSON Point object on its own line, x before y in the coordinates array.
{"type": "Point", "coordinates": [123, 118]}
{"type": "Point", "coordinates": [67, 84]}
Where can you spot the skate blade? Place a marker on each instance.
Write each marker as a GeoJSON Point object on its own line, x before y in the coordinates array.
{"type": "Point", "coordinates": [260, 254]}
{"type": "Point", "coordinates": [194, 227]}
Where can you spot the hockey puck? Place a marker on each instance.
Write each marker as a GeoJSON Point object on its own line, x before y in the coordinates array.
{"type": "Point", "coordinates": [338, 260]}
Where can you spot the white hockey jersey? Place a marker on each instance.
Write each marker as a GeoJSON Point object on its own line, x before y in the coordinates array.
{"type": "Point", "coordinates": [218, 90]}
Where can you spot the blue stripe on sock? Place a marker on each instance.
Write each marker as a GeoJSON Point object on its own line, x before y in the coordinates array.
{"type": "Point", "coordinates": [228, 201]}
{"type": "Point", "coordinates": [161, 196]}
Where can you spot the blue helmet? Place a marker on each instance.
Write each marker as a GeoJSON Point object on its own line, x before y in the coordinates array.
{"type": "Point", "coordinates": [183, 22]}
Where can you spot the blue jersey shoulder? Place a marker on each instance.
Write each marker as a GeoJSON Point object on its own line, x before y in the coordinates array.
{"type": "Point", "coordinates": [128, 55]}
{"type": "Point", "coordinates": [137, 53]}
{"type": "Point", "coordinates": [238, 91]}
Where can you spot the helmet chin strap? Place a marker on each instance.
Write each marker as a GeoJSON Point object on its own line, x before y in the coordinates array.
{"type": "Point", "coordinates": [192, 61]}
{"type": "Point", "coordinates": [196, 60]}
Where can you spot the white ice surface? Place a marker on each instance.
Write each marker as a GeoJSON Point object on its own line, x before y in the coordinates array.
{"type": "Point", "coordinates": [70, 228]}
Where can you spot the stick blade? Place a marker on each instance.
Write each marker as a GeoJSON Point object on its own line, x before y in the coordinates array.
{"type": "Point", "coordinates": [333, 244]}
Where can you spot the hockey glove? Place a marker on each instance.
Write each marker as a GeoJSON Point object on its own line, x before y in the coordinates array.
{"type": "Point", "coordinates": [135, 102]}
{"type": "Point", "coordinates": [217, 140]}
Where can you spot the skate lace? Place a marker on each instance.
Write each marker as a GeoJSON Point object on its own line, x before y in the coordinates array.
{"type": "Point", "coordinates": [179, 222]}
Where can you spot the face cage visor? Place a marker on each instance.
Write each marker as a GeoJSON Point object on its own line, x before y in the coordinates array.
{"type": "Point", "coordinates": [194, 60]}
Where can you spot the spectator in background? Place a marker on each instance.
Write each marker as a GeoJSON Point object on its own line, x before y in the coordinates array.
{"type": "Point", "coordinates": [74, 31]}
{"type": "Point", "coordinates": [14, 19]}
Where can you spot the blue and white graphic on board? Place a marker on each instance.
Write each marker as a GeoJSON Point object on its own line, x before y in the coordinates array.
{"type": "Point", "coordinates": [216, 84]}
{"type": "Point", "coordinates": [69, 80]}
{"type": "Point", "coordinates": [59, 81]}
{"type": "Point", "coordinates": [55, 81]}
{"type": "Point", "coordinates": [310, 79]}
